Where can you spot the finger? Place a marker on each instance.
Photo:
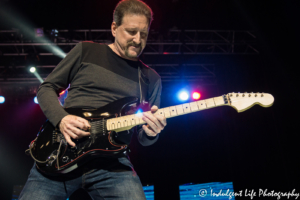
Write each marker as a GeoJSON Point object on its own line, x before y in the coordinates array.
{"type": "Point", "coordinates": [69, 141]}
{"type": "Point", "coordinates": [148, 131]}
{"type": "Point", "coordinates": [75, 122]}
{"type": "Point", "coordinates": [162, 120]}
{"type": "Point", "coordinates": [79, 132]}
{"type": "Point", "coordinates": [154, 108]}
{"type": "Point", "coordinates": [153, 126]}
{"type": "Point", "coordinates": [154, 119]}
{"type": "Point", "coordinates": [85, 122]}
{"type": "Point", "coordinates": [71, 134]}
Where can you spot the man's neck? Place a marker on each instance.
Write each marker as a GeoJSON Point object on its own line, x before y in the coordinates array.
{"type": "Point", "coordinates": [115, 49]}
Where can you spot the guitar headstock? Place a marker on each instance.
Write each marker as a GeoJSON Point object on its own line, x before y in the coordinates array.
{"type": "Point", "coordinates": [244, 101]}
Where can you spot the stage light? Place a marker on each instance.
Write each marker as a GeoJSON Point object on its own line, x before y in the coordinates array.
{"type": "Point", "coordinates": [39, 32]}
{"type": "Point", "coordinates": [196, 95]}
{"type": "Point", "coordinates": [36, 74]}
{"type": "Point", "coordinates": [2, 99]}
{"type": "Point", "coordinates": [54, 32]}
{"type": "Point", "coordinates": [183, 96]}
{"type": "Point", "coordinates": [35, 100]}
{"type": "Point", "coordinates": [32, 69]}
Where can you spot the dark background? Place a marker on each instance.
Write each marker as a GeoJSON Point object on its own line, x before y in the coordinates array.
{"type": "Point", "coordinates": [254, 149]}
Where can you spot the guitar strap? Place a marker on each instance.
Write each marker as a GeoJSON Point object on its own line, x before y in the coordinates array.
{"type": "Point", "coordinates": [144, 83]}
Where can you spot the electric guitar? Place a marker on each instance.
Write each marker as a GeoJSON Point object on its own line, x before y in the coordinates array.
{"type": "Point", "coordinates": [53, 155]}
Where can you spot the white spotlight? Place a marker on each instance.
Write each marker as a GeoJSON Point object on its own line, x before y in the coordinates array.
{"type": "Point", "coordinates": [183, 96]}
{"type": "Point", "coordinates": [32, 69]}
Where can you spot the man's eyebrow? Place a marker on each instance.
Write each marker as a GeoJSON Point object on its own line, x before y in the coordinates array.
{"type": "Point", "coordinates": [136, 29]}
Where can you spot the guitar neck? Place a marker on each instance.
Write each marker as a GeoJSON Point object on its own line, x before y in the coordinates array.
{"type": "Point", "coordinates": [127, 122]}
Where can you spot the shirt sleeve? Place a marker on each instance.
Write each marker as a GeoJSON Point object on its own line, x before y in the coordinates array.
{"type": "Point", "coordinates": [154, 99]}
{"type": "Point", "coordinates": [57, 81]}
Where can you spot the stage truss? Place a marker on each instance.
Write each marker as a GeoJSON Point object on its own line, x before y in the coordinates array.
{"type": "Point", "coordinates": [168, 53]}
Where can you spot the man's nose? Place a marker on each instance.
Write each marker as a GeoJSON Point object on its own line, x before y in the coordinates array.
{"type": "Point", "coordinates": [137, 38]}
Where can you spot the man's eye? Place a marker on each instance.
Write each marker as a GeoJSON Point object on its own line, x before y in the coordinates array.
{"type": "Point", "coordinates": [131, 32]}
{"type": "Point", "coordinates": [144, 35]}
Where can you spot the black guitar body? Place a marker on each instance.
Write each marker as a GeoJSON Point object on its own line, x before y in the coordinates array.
{"type": "Point", "coordinates": [54, 155]}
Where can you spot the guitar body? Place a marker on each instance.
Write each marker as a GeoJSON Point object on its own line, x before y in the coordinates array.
{"type": "Point", "coordinates": [56, 156]}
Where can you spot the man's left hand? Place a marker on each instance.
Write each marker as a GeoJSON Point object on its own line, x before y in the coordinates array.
{"type": "Point", "coordinates": [156, 123]}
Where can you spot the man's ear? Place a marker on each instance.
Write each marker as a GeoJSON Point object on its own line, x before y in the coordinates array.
{"type": "Point", "coordinates": [114, 28]}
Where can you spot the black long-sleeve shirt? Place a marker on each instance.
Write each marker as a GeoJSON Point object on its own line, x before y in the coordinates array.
{"type": "Point", "coordinates": [97, 77]}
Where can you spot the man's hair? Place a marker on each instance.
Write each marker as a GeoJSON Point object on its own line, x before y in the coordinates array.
{"type": "Point", "coordinates": [136, 7]}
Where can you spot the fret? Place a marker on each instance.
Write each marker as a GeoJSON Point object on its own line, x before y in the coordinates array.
{"type": "Point", "coordinates": [201, 104]}
{"type": "Point", "coordinates": [132, 120]}
{"type": "Point", "coordinates": [119, 122]}
{"type": "Point", "coordinates": [194, 106]}
{"type": "Point", "coordinates": [167, 112]}
{"type": "Point", "coordinates": [127, 121]}
{"type": "Point", "coordinates": [137, 119]}
{"type": "Point", "coordinates": [210, 103]}
{"type": "Point", "coordinates": [140, 120]}
{"type": "Point", "coordinates": [113, 124]}
{"type": "Point", "coordinates": [122, 120]}
{"type": "Point", "coordinates": [186, 108]}
{"type": "Point", "coordinates": [160, 112]}
{"type": "Point", "coordinates": [219, 101]}
{"type": "Point", "coordinates": [173, 111]}
{"type": "Point", "coordinates": [179, 109]}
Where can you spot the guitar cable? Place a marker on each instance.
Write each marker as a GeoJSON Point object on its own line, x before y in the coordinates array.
{"type": "Point", "coordinates": [58, 151]}
{"type": "Point", "coordinates": [28, 151]}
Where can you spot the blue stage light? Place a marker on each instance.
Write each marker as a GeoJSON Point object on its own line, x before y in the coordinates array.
{"type": "Point", "coordinates": [35, 100]}
{"type": "Point", "coordinates": [2, 99]}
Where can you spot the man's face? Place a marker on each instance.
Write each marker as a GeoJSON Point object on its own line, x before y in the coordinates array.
{"type": "Point", "coordinates": [131, 35]}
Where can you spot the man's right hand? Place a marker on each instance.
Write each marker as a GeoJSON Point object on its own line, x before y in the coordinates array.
{"type": "Point", "coordinates": [70, 127]}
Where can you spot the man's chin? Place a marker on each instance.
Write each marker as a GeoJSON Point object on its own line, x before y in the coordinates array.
{"type": "Point", "coordinates": [132, 55]}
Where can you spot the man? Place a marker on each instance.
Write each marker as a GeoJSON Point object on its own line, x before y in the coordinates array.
{"type": "Point", "coordinates": [99, 74]}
